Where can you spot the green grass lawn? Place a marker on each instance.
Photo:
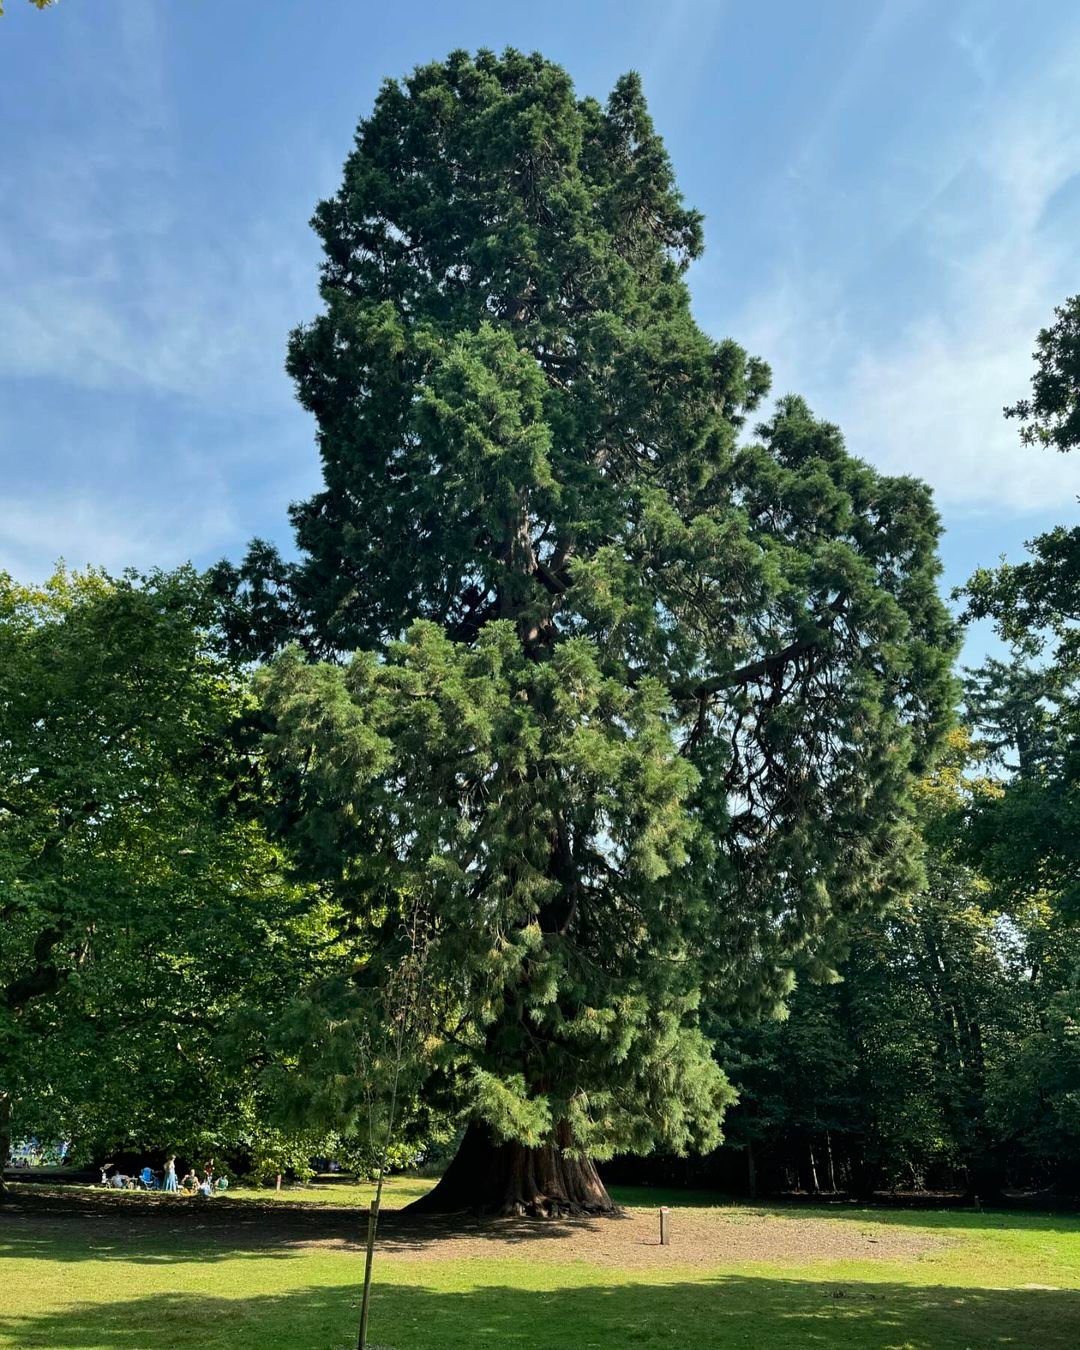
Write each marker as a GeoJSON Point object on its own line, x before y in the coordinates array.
{"type": "Point", "coordinates": [398, 1191]}
{"type": "Point", "coordinates": [219, 1276]}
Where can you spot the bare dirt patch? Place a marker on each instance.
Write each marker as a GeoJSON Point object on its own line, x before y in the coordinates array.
{"type": "Point", "coordinates": [708, 1238]}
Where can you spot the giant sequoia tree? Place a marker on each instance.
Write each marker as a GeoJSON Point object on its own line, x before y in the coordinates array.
{"type": "Point", "coordinates": [637, 698]}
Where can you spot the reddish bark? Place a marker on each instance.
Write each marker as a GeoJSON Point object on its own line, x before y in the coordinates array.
{"type": "Point", "coordinates": [493, 1176]}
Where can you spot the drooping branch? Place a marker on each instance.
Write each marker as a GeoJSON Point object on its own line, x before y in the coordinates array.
{"type": "Point", "coordinates": [765, 667]}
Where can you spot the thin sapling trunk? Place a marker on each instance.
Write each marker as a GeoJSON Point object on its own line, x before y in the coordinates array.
{"type": "Point", "coordinates": [402, 1005]}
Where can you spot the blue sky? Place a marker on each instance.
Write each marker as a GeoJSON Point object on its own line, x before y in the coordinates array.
{"type": "Point", "coordinates": [892, 202]}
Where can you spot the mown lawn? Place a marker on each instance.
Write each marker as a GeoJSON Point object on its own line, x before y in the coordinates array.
{"type": "Point", "coordinates": [227, 1276]}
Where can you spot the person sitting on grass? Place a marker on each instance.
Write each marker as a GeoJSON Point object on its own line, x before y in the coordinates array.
{"type": "Point", "coordinates": [206, 1188]}
{"type": "Point", "coordinates": [190, 1181]}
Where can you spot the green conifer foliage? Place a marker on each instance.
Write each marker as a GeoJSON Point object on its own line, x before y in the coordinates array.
{"type": "Point", "coordinates": [639, 694]}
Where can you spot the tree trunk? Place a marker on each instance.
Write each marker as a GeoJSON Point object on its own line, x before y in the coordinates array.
{"type": "Point", "coordinates": [863, 1171]}
{"type": "Point", "coordinates": [985, 1180]}
{"type": "Point", "coordinates": [5, 1140]}
{"type": "Point", "coordinates": [493, 1176]}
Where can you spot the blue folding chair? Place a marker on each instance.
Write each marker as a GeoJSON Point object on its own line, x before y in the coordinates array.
{"type": "Point", "coordinates": [149, 1179]}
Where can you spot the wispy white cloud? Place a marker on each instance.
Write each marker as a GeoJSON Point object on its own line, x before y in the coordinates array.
{"type": "Point", "coordinates": [677, 46]}
{"type": "Point", "coordinates": [113, 277]}
{"type": "Point", "coordinates": [85, 529]}
{"type": "Point", "coordinates": [147, 418]}
{"type": "Point", "coordinates": [210, 327]}
{"type": "Point", "coordinates": [843, 88]}
{"type": "Point", "coordinates": [138, 490]}
{"type": "Point", "coordinates": [923, 394]}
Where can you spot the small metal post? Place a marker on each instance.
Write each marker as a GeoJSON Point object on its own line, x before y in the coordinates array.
{"type": "Point", "coordinates": [664, 1234]}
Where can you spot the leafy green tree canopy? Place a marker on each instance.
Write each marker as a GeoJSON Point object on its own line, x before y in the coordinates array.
{"type": "Point", "coordinates": [1026, 838]}
{"type": "Point", "coordinates": [141, 903]}
{"type": "Point", "coordinates": [1051, 416]}
{"type": "Point", "coordinates": [1037, 602]}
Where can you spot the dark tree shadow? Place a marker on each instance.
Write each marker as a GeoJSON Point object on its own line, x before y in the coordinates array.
{"type": "Point", "coordinates": [735, 1311]}
{"type": "Point", "coordinates": [149, 1230]}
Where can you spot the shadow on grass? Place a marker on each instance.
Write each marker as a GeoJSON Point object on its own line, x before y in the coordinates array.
{"type": "Point", "coordinates": [766, 1314]}
{"type": "Point", "coordinates": [149, 1230]}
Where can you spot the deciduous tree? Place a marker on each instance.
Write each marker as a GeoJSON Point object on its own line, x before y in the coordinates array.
{"type": "Point", "coordinates": [141, 904]}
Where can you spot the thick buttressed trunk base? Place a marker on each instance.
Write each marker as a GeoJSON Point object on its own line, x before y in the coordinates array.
{"type": "Point", "coordinates": [493, 1176]}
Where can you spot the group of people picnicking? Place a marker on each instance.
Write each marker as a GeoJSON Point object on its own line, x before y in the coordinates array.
{"type": "Point", "coordinates": [191, 1183]}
